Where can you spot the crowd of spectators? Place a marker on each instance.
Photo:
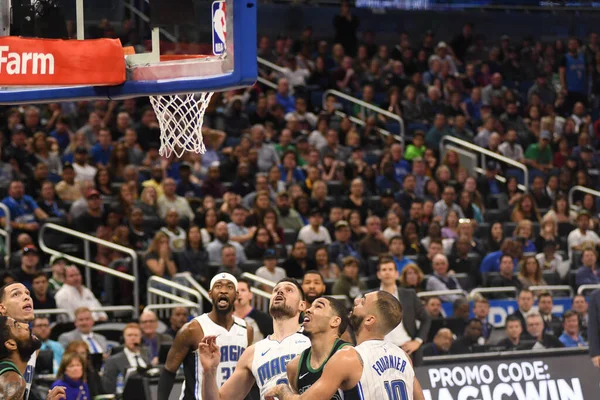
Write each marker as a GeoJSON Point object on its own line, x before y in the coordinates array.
{"type": "Point", "coordinates": [287, 186]}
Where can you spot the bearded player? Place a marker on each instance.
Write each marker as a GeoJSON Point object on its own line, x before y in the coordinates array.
{"type": "Point", "coordinates": [266, 361]}
{"type": "Point", "coordinates": [379, 369]}
{"type": "Point", "coordinates": [16, 303]}
{"type": "Point", "coordinates": [324, 323]}
{"type": "Point", "coordinates": [233, 335]}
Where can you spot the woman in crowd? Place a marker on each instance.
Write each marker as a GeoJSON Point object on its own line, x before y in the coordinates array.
{"type": "Point", "coordinates": [495, 237]}
{"type": "Point", "coordinates": [159, 259]}
{"type": "Point", "coordinates": [548, 232]}
{"type": "Point", "coordinates": [450, 229]}
{"type": "Point", "coordinates": [531, 273]}
{"type": "Point", "coordinates": [271, 222]}
{"type": "Point", "coordinates": [208, 229]}
{"type": "Point", "coordinates": [412, 277]}
{"type": "Point", "coordinates": [261, 241]}
{"type": "Point", "coordinates": [147, 202]}
{"type": "Point", "coordinates": [525, 209]}
{"type": "Point", "coordinates": [71, 375]}
{"type": "Point", "coordinates": [561, 210]}
{"type": "Point", "coordinates": [328, 269]}
{"type": "Point", "coordinates": [393, 227]}
{"type": "Point", "coordinates": [524, 231]}
{"type": "Point", "coordinates": [194, 258]}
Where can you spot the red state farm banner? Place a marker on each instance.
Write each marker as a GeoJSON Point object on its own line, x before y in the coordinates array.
{"type": "Point", "coordinates": [52, 62]}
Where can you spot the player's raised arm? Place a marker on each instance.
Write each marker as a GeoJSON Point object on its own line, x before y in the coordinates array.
{"type": "Point", "coordinates": [292, 373]}
{"type": "Point", "coordinates": [237, 386]}
{"type": "Point", "coordinates": [342, 371]}
{"type": "Point", "coordinates": [188, 337]}
{"type": "Point", "coordinates": [417, 390]}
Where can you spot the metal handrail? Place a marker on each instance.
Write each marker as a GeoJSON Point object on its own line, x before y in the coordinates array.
{"type": "Point", "coordinates": [487, 153]}
{"type": "Point", "coordinates": [583, 288]}
{"type": "Point", "coordinates": [578, 188]}
{"type": "Point", "coordinates": [441, 293]}
{"type": "Point", "coordinates": [190, 279]}
{"type": "Point", "coordinates": [267, 82]}
{"type": "Point", "coordinates": [553, 288]}
{"type": "Point", "coordinates": [152, 307]}
{"type": "Point", "coordinates": [366, 105]}
{"type": "Point", "coordinates": [6, 231]}
{"type": "Point", "coordinates": [271, 65]}
{"type": "Point", "coordinates": [97, 309]}
{"type": "Point", "coordinates": [476, 291]}
{"type": "Point", "coordinates": [90, 264]}
{"type": "Point", "coordinates": [170, 296]}
{"type": "Point", "coordinates": [174, 285]}
{"type": "Point", "coordinates": [262, 300]}
{"type": "Point", "coordinates": [362, 123]}
{"type": "Point", "coordinates": [258, 279]}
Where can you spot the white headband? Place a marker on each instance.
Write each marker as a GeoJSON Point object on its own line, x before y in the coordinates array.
{"type": "Point", "coordinates": [225, 276]}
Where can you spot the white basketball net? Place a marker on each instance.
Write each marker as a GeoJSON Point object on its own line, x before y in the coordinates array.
{"type": "Point", "coordinates": [180, 117]}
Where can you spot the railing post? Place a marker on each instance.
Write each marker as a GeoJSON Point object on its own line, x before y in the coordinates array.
{"type": "Point", "coordinates": [87, 256]}
{"type": "Point", "coordinates": [8, 228]}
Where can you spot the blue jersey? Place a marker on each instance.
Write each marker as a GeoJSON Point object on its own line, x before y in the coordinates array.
{"type": "Point", "coordinates": [575, 73]}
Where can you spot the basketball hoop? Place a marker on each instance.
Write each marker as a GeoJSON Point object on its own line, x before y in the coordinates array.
{"type": "Point", "coordinates": [180, 117]}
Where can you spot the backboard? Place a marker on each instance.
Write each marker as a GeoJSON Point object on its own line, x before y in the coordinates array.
{"type": "Point", "coordinates": [214, 50]}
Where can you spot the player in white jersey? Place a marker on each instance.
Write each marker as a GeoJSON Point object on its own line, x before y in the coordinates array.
{"type": "Point", "coordinates": [232, 335]}
{"type": "Point", "coordinates": [16, 302]}
{"type": "Point", "coordinates": [380, 369]}
{"type": "Point", "coordinates": [266, 361]}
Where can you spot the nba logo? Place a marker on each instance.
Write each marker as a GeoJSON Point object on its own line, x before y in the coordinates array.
{"type": "Point", "coordinates": [219, 31]}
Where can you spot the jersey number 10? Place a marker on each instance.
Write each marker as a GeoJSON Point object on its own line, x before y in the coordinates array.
{"type": "Point", "coordinates": [396, 390]}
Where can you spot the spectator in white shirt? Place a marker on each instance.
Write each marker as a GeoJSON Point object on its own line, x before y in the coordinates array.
{"type": "Point", "coordinates": [582, 236]}
{"type": "Point", "coordinates": [296, 76]}
{"type": "Point", "coordinates": [83, 170]}
{"type": "Point", "coordinates": [270, 271]}
{"type": "Point", "coordinates": [441, 208]}
{"type": "Point", "coordinates": [314, 232]}
{"type": "Point", "coordinates": [236, 229]}
{"type": "Point", "coordinates": [221, 239]}
{"type": "Point", "coordinates": [73, 295]}
{"type": "Point", "coordinates": [510, 148]}
{"type": "Point", "coordinates": [170, 200]}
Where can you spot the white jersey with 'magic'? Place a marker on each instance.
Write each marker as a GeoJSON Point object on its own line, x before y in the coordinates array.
{"type": "Point", "coordinates": [232, 343]}
{"type": "Point", "coordinates": [271, 358]}
{"type": "Point", "coordinates": [387, 372]}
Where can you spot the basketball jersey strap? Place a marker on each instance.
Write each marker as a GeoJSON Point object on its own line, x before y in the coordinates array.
{"type": "Point", "coordinates": [8, 366]}
{"type": "Point", "coordinates": [304, 368]}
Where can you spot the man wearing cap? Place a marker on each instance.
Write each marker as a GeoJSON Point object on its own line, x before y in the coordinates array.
{"type": "Point", "coordinates": [539, 155]}
{"type": "Point", "coordinates": [92, 218]}
{"type": "Point", "coordinates": [57, 264]}
{"type": "Point", "coordinates": [287, 216]}
{"type": "Point", "coordinates": [510, 147]}
{"type": "Point", "coordinates": [233, 337]}
{"type": "Point", "coordinates": [582, 237]}
{"type": "Point", "coordinates": [270, 271]}
{"type": "Point", "coordinates": [343, 246]}
{"type": "Point", "coordinates": [587, 159]}
{"type": "Point", "coordinates": [83, 170]}
{"type": "Point", "coordinates": [314, 232]}
{"type": "Point", "coordinates": [488, 184]}
{"type": "Point", "coordinates": [67, 189]}
{"type": "Point", "coordinates": [29, 266]}
{"type": "Point", "coordinates": [545, 92]}
{"type": "Point", "coordinates": [185, 186]}
{"type": "Point", "coordinates": [495, 88]}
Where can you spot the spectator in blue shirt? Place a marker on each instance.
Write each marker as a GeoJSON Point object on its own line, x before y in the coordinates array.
{"type": "Point", "coordinates": [41, 329]}
{"type": "Point", "coordinates": [283, 96]}
{"type": "Point", "coordinates": [101, 151]}
{"type": "Point", "coordinates": [491, 262]}
{"type": "Point", "coordinates": [401, 166]}
{"type": "Point", "coordinates": [24, 211]}
{"type": "Point", "coordinates": [587, 274]}
{"type": "Point", "coordinates": [62, 133]}
{"type": "Point", "coordinates": [571, 336]}
{"type": "Point", "coordinates": [290, 173]}
{"type": "Point", "coordinates": [185, 187]}
{"type": "Point", "coordinates": [396, 247]}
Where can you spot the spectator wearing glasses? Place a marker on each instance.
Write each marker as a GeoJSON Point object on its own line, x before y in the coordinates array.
{"type": "Point", "coordinates": [571, 336]}
{"type": "Point", "coordinates": [41, 329]}
{"type": "Point", "coordinates": [152, 339]}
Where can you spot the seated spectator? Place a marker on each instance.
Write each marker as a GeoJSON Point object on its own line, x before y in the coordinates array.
{"type": "Point", "coordinates": [488, 185]}
{"type": "Point", "coordinates": [139, 237]}
{"type": "Point", "coordinates": [288, 217]}
{"type": "Point", "coordinates": [271, 222]}
{"type": "Point", "coordinates": [374, 243]}
{"type": "Point", "coordinates": [221, 239]}
{"type": "Point", "coordinates": [290, 173]}
{"type": "Point", "coordinates": [261, 241]}
{"type": "Point", "coordinates": [147, 202]}
{"type": "Point", "coordinates": [73, 295]}
{"type": "Point", "coordinates": [525, 302]}
{"type": "Point", "coordinates": [412, 277]}
{"type": "Point", "coordinates": [83, 170]}
{"type": "Point", "coordinates": [42, 299]}
{"type": "Point", "coordinates": [433, 306]}
{"type": "Point", "coordinates": [396, 249]}
{"type": "Point", "coordinates": [539, 155]}
{"type": "Point", "coordinates": [469, 208]}
{"type": "Point", "coordinates": [535, 331]}
{"type": "Point", "coordinates": [513, 330]}
{"type": "Point", "coordinates": [314, 232]}
{"type": "Point", "coordinates": [92, 218]}
{"type": "Point", "coordinates": [170, 200]}
{"type": "Point", "coordinates": [587, 274]}
{"type": "Point", "coordinates": [57, 265]}
{"type": "Point", "coordinates": [495, 237]}
{"type": "Point", "coordinates": [213, 185]}
{"type": "Point", "coordinates": [41, 329]}
{"type": "Point", "coordinates": [24, 211]}
{"type": "Point", "coordinates": [238, 232]}
{"type": "Point", "coordinates": [103, 184]}
{"type": "Point", "coordinates": [132, 356]}
{"type": "Point", "coordinates": [552, 324]}
{"type": "Point", "coordinates": [343, 246]}
{"type": "Point", "coordinates": [525, 209]}
{"type": "Point", "coordinates": [441, 208]}
{"type": "Point", "coordinates": [417, 147]}
{"type": "Point", "coordinates": [349, 283]}
{"type": "Point", "coordinates": [511, 148]}
{"type": "Point", "coordinates": [505, 278]}
{"type": "Point", "coordinates": [582, 237]}
{"type": "Point", "coordinates": [156, 177]}
{"type": "Point", "coordinates": [71, 376]}
{"type": "Point", "coordinates": [260, 321]}
{"type": "Point", "coordinates": [298, 262]}
{"type": "Point", "coordinates": [438, 130]}
{"type": "Point", "coordinates": [159, 259]}
{"type": "Point", "coordinates": [83, 331]}
{"type": "Point", "coordinates": [530, 273]}
{"type": "Point", "coordinates": [550, 260]}
{"type": "Point", "coordinates": [441, 280]}
{"type": "Point", "coordinates": [468, 343]}
{"type": "Point", "coordinates": [49, 204]}
{"type": "Point", "coordinates": [176, 235]}
{"type": "Point", "coordinates": [538, 191]}
{"type": "Point", "coordinates": [460, 262]}
{"type": "Point", "coordinates": [442, 342]}
{"type": "Point", "coordinates": [179, 317]}
{"type": "Point", "coordinates": [67, 189]}
{"type": "Point", "coordinates": [571, 336]}
{"type": "Point", "coordinates": [186, 187]}
{"type": "Point", "coordinates": [270, 271]}
{"type": "Point", "coordinates": [450, 229]}
{"type": "Point", "coordinates": [229, 262]}
{"type": "Point", "coordinates": [548, 232]}
{"type": "Point", "coordinates": [435, 247]}
{"type": "Point", "coordinates": [327, 268]}
{"type": "Point", "coordinates": [151, 339]}
{"type": "Point", "coordinates": [491, 262]}
{"type": "Point", "coordinates": [357, 230]}
{"type": "Point", "coordinates": [580, 305]}
{"type": "Point", "coordinates": [481, 311]}
{"type": "Point", "coordinates": [29, 266]}
{"type": "Point", "coordinates": [194, 258]}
